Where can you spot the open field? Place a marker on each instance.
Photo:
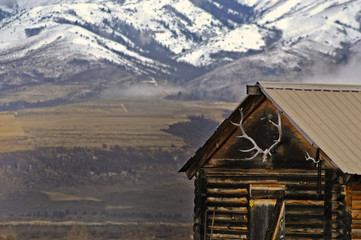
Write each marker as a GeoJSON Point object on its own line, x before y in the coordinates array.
{"type": "Point", "coordinates": [45, 230]}
{"type": "Point", "coordinates": [123, 122]}
{"type": "Point", "coordinates": [11, 132]}
{"type": "Point", "coordinates": [57, 196]}
{"type": "Point", "coordinates": [39, 93]}
{"type": "Point", "coordinates": [105, 169]}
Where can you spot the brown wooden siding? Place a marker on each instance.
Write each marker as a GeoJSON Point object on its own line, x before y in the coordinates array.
{"type": "Point", "coordinates": [225, 199]}
{"type": "Point", "coordinates": [355, 205]}
{"type": "Point", "coordinates": [337, 220]}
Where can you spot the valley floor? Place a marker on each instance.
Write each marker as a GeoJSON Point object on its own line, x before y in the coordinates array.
{"type": "Point", "coordinates": [95, 231]}
{"type": "Point", "coordinates": [106, 168]}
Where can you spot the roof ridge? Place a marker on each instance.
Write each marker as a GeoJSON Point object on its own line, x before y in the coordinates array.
{"type": "Point", "coordinates": [310, 86]}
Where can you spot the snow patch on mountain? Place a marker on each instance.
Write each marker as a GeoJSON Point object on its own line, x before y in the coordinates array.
{"type": "Point", "coordinates": [329, 22]}
{"type": "Point", "coordinates": [168, 22]}
{"type": "Point", "coordinates": [16, 43]}
{"type": "Point", "coordinates": [242, 39]}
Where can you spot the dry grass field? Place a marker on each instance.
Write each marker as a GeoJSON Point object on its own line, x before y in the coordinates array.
{"type": "Point", "coordinates": [103, 169]}
{"type": "Point", "coordinates": [45, 230]}
{"type": "Point", "coordinates": [39, 93]}
{"type": "Point", "coordinates": [11, 133]}
{"type": "Point", "coordinates": [56, 196]}
{"type": "Point", "coordinates": [123, 122]}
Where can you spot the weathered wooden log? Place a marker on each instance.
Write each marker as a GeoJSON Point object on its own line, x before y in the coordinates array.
{"type": "Point", "coordinates": [356, 196]}
{"type": "Point", "coordinates": [307, 213]}
{"type": "Point", "coordinates": [296, 202]}
{"type": "Point", "coordinates": [229, 218]}
{"type": "Point", "coordinates": [229, 236]}
{"type": "Point", "coordinates": [216, 201]}
{"type": "Point", "coordinates": [356, 214]}
{"type": "Point", "coordinates": [228, 228]}
{"type": "Point", "coordinates": [264, 179]}
{"type": "Point", "coordinates": [222, 191]}
{"type": "Point", "coordinates": [306, 231]}
{"type": "Point", "coordinates": [356, 204]}
{"type": "Point", "coordinates": [356, 233]}
{"type": "Point", "coordinates": [228, 209]}
{"type": "Point", "coordinates": [295, 222]}
{"type": "Point", "coordinates": [311, 224]}
{"type": "Point", "coordinates": [356, 225]}
{"type": "Point", "coordinates": [259, 171]}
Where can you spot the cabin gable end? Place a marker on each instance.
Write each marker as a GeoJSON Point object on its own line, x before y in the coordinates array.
{"type": "Point", "coordinates": [260, 132]}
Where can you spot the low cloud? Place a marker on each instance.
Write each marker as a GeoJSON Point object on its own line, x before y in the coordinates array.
{"type": "Point", "coordinates": [8, 3]}
{"type": "Point", "coordinates": [349, 73]}
{"type": "Point", "coordinates": [140, 90]}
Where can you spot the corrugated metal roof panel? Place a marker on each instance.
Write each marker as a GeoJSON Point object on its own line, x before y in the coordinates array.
{"type": "Point", "coordinates": [329, 116]}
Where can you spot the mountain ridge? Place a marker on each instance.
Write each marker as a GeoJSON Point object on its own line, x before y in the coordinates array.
{"type": "Point", "coordinates": [174, 45]}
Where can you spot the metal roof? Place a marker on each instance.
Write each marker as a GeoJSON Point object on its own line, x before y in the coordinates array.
{"type": "Point", "coordinates": [329, 116]}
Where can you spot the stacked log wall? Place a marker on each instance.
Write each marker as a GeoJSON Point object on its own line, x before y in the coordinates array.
{"type": "Point", "coordinates": [199, 205]}
{"type": "Point", "coordinates": [355, 206]}
{"type": "Point", "coordinates": [227, 198]}
{"type": "Point", "coordinates": [337, 215]}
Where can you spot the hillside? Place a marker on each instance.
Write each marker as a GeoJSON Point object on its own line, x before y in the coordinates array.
{"type": "Point", "coordinates": [85, 50]}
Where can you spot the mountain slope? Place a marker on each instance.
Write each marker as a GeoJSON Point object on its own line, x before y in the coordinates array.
{"type": "Point", "coordinates": [172, 44]}
{"type": "Point", "coordinates": [319, 40]}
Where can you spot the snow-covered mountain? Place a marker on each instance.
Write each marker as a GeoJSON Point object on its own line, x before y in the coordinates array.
{"type": "Point", "coordinates": [205, 48]}
{"type": "Point", "coordinates": [319, 42]}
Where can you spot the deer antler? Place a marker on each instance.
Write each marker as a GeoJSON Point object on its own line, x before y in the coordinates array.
{"type": "Point", "coordinates": [308, 157]}
{"type": "Point", "coordinates": [265, 152]}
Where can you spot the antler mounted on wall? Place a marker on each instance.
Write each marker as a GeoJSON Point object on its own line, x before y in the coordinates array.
{"type": "Point", "coordinates": [266, 152]}
{"type": "Point", "coordinates": [309, 158]}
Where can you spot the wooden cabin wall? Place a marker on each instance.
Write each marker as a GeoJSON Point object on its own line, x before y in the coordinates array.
{"type": "Point", "coordinates": [354, 205]}
{"type": "Point", "coordinates": [226, 199]}
{"type": "Point", "coordinates": [231, 191]}
{"type": "Point", "coordinates": [337, 211]}
{"type": "Point", "coordinates": [200, 204]}
{"type": "Point", "coordinates": [233, 194]}
{"type": "Point", "coordinates": [222, 209]}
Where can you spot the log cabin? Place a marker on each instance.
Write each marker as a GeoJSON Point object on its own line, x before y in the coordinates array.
{"type": "Point", "coordinates": [285, 164]}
